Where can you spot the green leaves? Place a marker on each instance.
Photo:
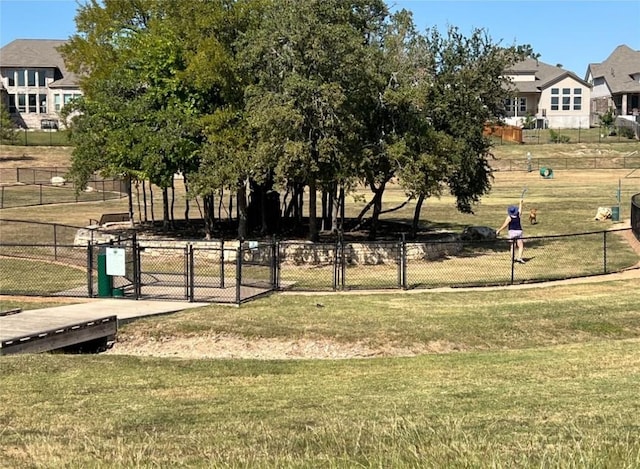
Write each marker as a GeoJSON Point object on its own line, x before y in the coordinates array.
{"type": "Point", "coordinates": [284, 94]}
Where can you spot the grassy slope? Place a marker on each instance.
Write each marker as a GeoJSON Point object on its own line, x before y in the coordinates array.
{"type": "Point", "coordinates": [542, 377]}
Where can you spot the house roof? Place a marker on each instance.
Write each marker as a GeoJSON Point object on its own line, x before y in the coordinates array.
{"type": "Point", "coordinates": [545, 75]}
{"type": "Point", "coordinates": [618, 69]}
{"type": "Point", "coordinates": [38, 53]}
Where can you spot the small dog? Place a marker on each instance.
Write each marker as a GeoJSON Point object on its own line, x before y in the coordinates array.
{"type": "Point", "coordinates": [533, 216]}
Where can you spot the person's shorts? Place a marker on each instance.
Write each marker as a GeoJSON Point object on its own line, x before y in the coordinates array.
{"type": "Point", "coordinates": [515, 234]}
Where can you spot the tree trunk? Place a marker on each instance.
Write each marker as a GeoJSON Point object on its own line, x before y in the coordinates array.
{"type": "Point", "coordinates": [209, 215]}
{"type": "Point", "coordinates": [153, 215]}
{"type": "Point", "coordinates": [335, 210]}
{"type": "Point", "coordinates": [313, 222]}
{"type": "Point", "coordinates": [186, 199]}
{"type": "Point", "coordinates": [173, 200]}
{"type": "Point", "coordinates": [416, 216]}
{"type": "Point", "coordinates": [242, 211]}
{"type": "Point", "coordinates": [144, 200]}
{"type": "Point", "coordinates": [138, 201]}
{"type": "Point", "coordinates": [165, 209]}
{"type": "Point", "coordinates": [130, 197]}
{"type": "Point", "coordinates": [324, 215]}
{"type": "Point", "coordinates": [377, 208]}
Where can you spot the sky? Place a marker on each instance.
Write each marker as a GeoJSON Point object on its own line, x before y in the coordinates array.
{"type": "Point", "coordinates": [573, 33]}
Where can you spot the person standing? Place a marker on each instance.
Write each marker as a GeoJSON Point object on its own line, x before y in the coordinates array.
{"type": "Point", "coordinates": [514, 226]}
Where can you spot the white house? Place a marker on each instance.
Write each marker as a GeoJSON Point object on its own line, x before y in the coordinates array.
{"type": "Point", "coordinates": [35, 84]}
{"type": "Point", "coordinates": [555, 97]}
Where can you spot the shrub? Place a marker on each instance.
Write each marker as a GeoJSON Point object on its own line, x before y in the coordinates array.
{"type": "Point", "coordinates": [626, 132]}
{"type": "Point", "coordinates": [556, 137]}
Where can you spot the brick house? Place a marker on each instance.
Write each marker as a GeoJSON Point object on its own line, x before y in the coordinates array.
{"type": "Point", "coordinates": [35, 83]}
{"type": "Point", "coordinates": [616, 84]}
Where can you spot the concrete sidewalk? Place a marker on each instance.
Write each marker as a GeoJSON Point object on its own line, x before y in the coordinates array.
{"type": "Point", "coordinates": [125, 310]}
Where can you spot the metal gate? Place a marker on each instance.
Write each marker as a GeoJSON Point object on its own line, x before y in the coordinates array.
{"type": "Point", "coordinates": [189, 271]}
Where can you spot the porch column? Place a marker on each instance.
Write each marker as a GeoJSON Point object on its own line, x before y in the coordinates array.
{"type": "Point", "coordinates": [623, 111]}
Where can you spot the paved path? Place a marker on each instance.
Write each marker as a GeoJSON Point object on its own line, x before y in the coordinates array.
{"type": "Point", "coordinates": [45, 329]}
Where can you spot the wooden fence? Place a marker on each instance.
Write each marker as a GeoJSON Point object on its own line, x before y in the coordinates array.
{"type": "Point", "coordinates": [509, 133]}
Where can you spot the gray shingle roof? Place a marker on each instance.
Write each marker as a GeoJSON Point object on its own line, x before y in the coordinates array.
{"type": "Point", "coordinates": [32, 53]}
{"type": "Point", "coordinates": [617, 70]}
{"type": "Point", "coordinates": [546, 75]}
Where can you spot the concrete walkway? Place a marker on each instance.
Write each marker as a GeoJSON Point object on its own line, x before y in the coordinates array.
{"type": "Point", "coordinates": [128, 310]}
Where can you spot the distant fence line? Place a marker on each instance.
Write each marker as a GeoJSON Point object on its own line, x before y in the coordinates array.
{"type": "Point", "coordinates": [564, 163]}
{"type": "Point", "coordinates": [190, 270]}
{"type": "Point", "coordinates": [47, 185]}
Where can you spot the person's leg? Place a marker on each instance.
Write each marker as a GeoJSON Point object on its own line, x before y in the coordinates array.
{"type": "Point", "coordinates": [520, 247]}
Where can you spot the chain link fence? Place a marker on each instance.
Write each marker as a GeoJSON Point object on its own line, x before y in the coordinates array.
{"type": "Point", "coordinates": [232, 272]}
{"type": "Point", "coordinates": [42, 186]}
{"type": "Point", "coordinates": [562, 163]}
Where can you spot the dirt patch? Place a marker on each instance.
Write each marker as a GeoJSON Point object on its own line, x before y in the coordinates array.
{"type": "Point", "coordinates": [232, 347]}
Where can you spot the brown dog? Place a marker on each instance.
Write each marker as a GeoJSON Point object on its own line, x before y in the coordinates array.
{"type": "Point", "coordinates": [533, 216]}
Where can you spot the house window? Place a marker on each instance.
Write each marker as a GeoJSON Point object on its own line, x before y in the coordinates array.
{"type": "Point", "coordinates": [523, 105]}
{"type": "Point", "coordinates": [11, 75]}
{"type": "Point", "coordinates": [33, 102]}
{"type": "Point", "coordinates": [554, 103]}
{"type": "Point", "coordinates": [577, 103]}
{"type": "Point", "coordinates": [566, 90]}
{"type": "Point", "coordinates": [555, 91]}
{"type": "Point", "coordinates": [566, 103]}
{"type": "Point", "coordinates": [67, 98]}
{"type": "Point", "coordinates": [56, 102]}
{"type": "Point", "coordinates": [20, 74]}
{"type": "Point", "coordinates": [42, 99]}
{"type": "Point", "coordinates": [12, 104]}
{"type": "Point", "coordinates": [42, 76]}
{"type": "Point", "coordinates": [517, 103]}
{"type": "Point", "coordinates": [577, 91]}
{"type": "Point", "coordinates": [22, 103]}
{"type": "Point", "coordinates": [31, 77]}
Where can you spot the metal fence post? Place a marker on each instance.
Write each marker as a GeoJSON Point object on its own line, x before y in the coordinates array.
{"type": "Point", "coordinates": [192, 275]}
{"type": "Point", "coordinates": [274, 264]}
{"type": "Point", "coordinates": [90, 270]}
{"type": "Point", "coordinates": [513, 260]}
{"type": "Point", "coordinates": [403, 262]}
{"type": "Point", "coordinates": [335, 265]}
{"type": "Point", "coordinates": [55, 242]}
{"type": "Point", "coordinates": [137, 276]}
{"type": "Point", "coordinates": [221, 263]}
{"type": "Point", "coordinates": [238, 271]}
{"type": "Point", "coordinates": [604, 250]}
{"type": "Point", "coordinates": [343, 264]}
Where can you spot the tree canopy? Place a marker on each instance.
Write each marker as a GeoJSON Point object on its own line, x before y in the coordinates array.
{"type": "Point", "coordinates": [274, 99]}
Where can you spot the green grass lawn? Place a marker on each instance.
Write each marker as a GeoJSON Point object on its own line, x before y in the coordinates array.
{"type": "Point", "coordinates": [532, 377]}
{"type": "Point", "coordinates": [29, 277]}
{"type": "Point", "coordinates": [524, 378]}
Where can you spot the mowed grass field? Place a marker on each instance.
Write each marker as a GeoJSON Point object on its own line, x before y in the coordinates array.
{"type": "Point", "coordinates": [518, 377]}
{"type": "Point", "coordinates": [536, 377]}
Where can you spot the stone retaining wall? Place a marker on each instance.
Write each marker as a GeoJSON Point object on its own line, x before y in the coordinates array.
{"type": "Point", "coordinates": [291, 252]}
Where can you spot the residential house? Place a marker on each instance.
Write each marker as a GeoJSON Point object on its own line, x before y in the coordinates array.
{"type": "Point", "coordinates": [35, 83]}
{"type": "Point", "coordinates": [555, 97]}
{"type": "Point", "coordinates": [616, 84]}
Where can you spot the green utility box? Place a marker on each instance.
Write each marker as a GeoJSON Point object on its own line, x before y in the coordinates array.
{"type": "Point", "coordinates": [105, 282]}
{"type": "Point", "coordinates": [615, 213]}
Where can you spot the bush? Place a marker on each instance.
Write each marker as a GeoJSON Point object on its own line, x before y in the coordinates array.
{"type": "Point", "coordinates": [626, 132]}
{"type": "Point", "coordinates": [555, 137]}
